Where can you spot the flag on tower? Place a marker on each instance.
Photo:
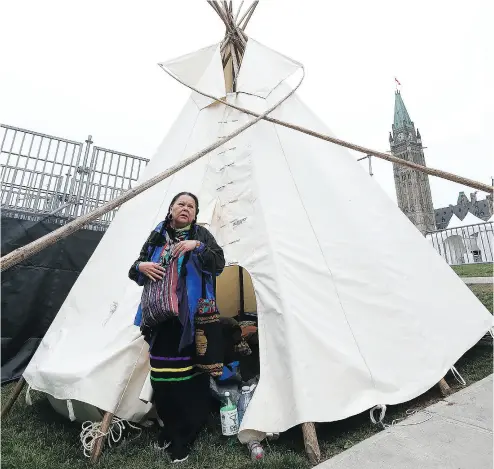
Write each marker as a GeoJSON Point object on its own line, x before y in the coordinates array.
{"type": "Point", "coordinates": [396, 79]}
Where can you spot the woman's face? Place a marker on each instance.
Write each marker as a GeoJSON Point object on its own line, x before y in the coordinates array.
{"type": "Point", "coordinates": [183, 211]}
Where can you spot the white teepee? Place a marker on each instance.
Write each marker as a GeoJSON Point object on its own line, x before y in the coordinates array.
{"type": "Point", "coordinates": [355, 307]}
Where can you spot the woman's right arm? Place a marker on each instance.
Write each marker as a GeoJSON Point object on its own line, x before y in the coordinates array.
{"type": "Point", "coordinates": [134, 273]}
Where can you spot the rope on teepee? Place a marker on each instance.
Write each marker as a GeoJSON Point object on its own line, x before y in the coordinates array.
{"type": "Point", "coordinates": [380, 419]}
{"type": "Point", "coordinates": [91, 432]}
{"type": "Point", "coordinates": [396, 422]}
{"type": "Point", "coordinates": [30, 249]}
{"type": "Point", "coordinates": [457, 376]}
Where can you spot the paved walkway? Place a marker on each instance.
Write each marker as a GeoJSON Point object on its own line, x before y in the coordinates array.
{"type": "Point", "coordinates": [457, 436]}
{"type": "Point", "coordinates": [477, 280]}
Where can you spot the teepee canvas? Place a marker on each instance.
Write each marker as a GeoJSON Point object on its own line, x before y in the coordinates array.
{"type": "Point", "coordinates": [355, 308]}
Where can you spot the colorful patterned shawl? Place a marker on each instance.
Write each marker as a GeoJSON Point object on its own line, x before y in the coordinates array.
{"type": "Point", "coordinates": [159, 299]}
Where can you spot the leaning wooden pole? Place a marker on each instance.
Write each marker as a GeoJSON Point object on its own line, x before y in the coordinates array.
{"type": "Point", "coordinates": [351, 146]}
{"type": "Point", "coordinates": [311, 443]}
{"type": "Point", "coordinates": [444, 387]}
{"type": "Point", "coordinates": [100, 439]}
{"type": "Point", "coordinates": [30, 249]}
{"type": "Point", "coordinates": [13, 397]}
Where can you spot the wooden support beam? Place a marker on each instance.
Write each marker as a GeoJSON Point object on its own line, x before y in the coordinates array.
{"type": "Point", "coordinates": [311, 443]}
{"type": "Point", "coordinates": [13, 397]}
{"type": "Point", "coordinates": [99, 442]}
{"type": "Point", "coordinates": [444, 388]}
{"type": "Point", "coordinates": [213, 6]}
{"type": "Point", "coordinates": [226, 9]}
{"type": "Point", "coordinates": [249, 16]}
{"type": "Point", "coordinates": [238, 11]}
{"type": "Point", "coordinates": [222, 14]}
{"type": "Point", "coordinates": [241, 288]}
{"type": "Point", "coordinates": [245, 14]}
{"type": "Point", "coordinates": [235, 65]}
{"type": "Point", "coordinates": [379, 154]}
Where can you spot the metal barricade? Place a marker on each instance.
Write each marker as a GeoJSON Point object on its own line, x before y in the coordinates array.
{"type": "Point", "coordinates": [47, 176]}
{"type": "Point", "coordinates": [469, 244]}
{"type": "Point", "coordinates": [110, 173]}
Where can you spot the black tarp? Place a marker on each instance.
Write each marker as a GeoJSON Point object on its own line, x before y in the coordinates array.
{"type": "Point", "coordinates": [34, 290]}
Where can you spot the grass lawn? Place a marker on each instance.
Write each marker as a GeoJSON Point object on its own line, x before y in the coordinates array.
{"type": "Point", "coordinates": [38, 438]}
{"type": "Point", "coordinates": [484, 292]}
{"type": "Point", "coordinates": [474, 270]}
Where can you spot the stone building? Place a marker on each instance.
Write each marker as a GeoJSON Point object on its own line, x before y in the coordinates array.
{"type": "Point", "coordinates": [412, 187]}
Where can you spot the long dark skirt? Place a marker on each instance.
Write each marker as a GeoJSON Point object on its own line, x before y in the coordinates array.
{"type": "Point", "coordinates": [181, 392]}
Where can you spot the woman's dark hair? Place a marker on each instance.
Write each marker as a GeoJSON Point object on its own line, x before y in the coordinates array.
{"type": "Point", "coordinates": [167, 225]}
{"type": "Point", "coordinates": [196, 200]}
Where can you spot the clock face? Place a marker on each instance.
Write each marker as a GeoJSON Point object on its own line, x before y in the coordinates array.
{"type": "Point", "coordinates": [401, 137]}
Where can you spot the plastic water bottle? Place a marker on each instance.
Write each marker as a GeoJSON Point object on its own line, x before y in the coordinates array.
{"type": "Point", "coordinates": [256, 450]}
{"type": "Point", "coordinates": [229, 417]}
{"type": "Point", "coordinates": [243, 402]}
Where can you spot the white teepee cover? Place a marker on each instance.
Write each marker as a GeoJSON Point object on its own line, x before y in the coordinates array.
{"type": "Point", "coordinates": [355, 307]}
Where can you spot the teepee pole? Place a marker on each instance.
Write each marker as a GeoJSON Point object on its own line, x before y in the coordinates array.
{"type": "Point", "coordinates": [254, 5]}
{"type": "Point", "coordinates": [444, 387]}
{"type": "Point", "coordinates": [246, 12]}
{"type": "Point", "coordinates": [13, 397]}
{"type": "Point", "coordinates": [311, 443]}
{"type": "Point", "coordinates": [100, 439]}
{"type": "Point", "coordinates": [221, 13]}
{"type": "Point", "coordinates": [384, 156]}
{"type": "Point", "coordinates": [235, 63]}
{"type": "Point", "coordinates": [238, 11]}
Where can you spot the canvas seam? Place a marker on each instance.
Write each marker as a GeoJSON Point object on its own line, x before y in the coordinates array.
{"type": "Point", "coordinates": [273, 256]}
{"type": "Point", "coordinates": [324, 258]}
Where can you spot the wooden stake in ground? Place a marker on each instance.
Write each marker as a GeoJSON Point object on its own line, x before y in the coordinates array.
{"type": "Point", "coordinates": [444, 388]}
{"type": "Point", "coordinates": [13, 397]}
{"type": "Point", "coordinates": [100, 439]}
{"type": "Point", "coordinates": [311, 443]}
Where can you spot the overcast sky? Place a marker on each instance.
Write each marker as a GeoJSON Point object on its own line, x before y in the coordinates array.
{"type": "Point", "coordinates": [72, 68]}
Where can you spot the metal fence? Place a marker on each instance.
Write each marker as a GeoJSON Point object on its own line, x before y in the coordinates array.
{"type": "Point", "coordinates": [45, 176]}
{"type": "Point", "coordinates": [470, 244]}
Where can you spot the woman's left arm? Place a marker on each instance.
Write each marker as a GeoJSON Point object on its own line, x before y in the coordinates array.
{"type": "Point", "coordinates": [209, 253]}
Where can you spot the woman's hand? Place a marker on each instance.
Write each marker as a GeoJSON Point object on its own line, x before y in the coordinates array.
{"type": "Point", "coordinates": [152, 270]}
{"type": "Point", "coordinates": [184, 246]}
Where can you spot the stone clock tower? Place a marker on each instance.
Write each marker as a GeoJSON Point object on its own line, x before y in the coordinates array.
{"type": "Point", "coordinates": [412, 187]}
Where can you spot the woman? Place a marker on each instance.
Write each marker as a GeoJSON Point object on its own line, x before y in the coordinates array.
{"type": "Point", "coordinates": [177, 267]}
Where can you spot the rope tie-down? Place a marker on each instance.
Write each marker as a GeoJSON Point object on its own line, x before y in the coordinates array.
{"type": "Point", "coordinates": [91, 432]}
